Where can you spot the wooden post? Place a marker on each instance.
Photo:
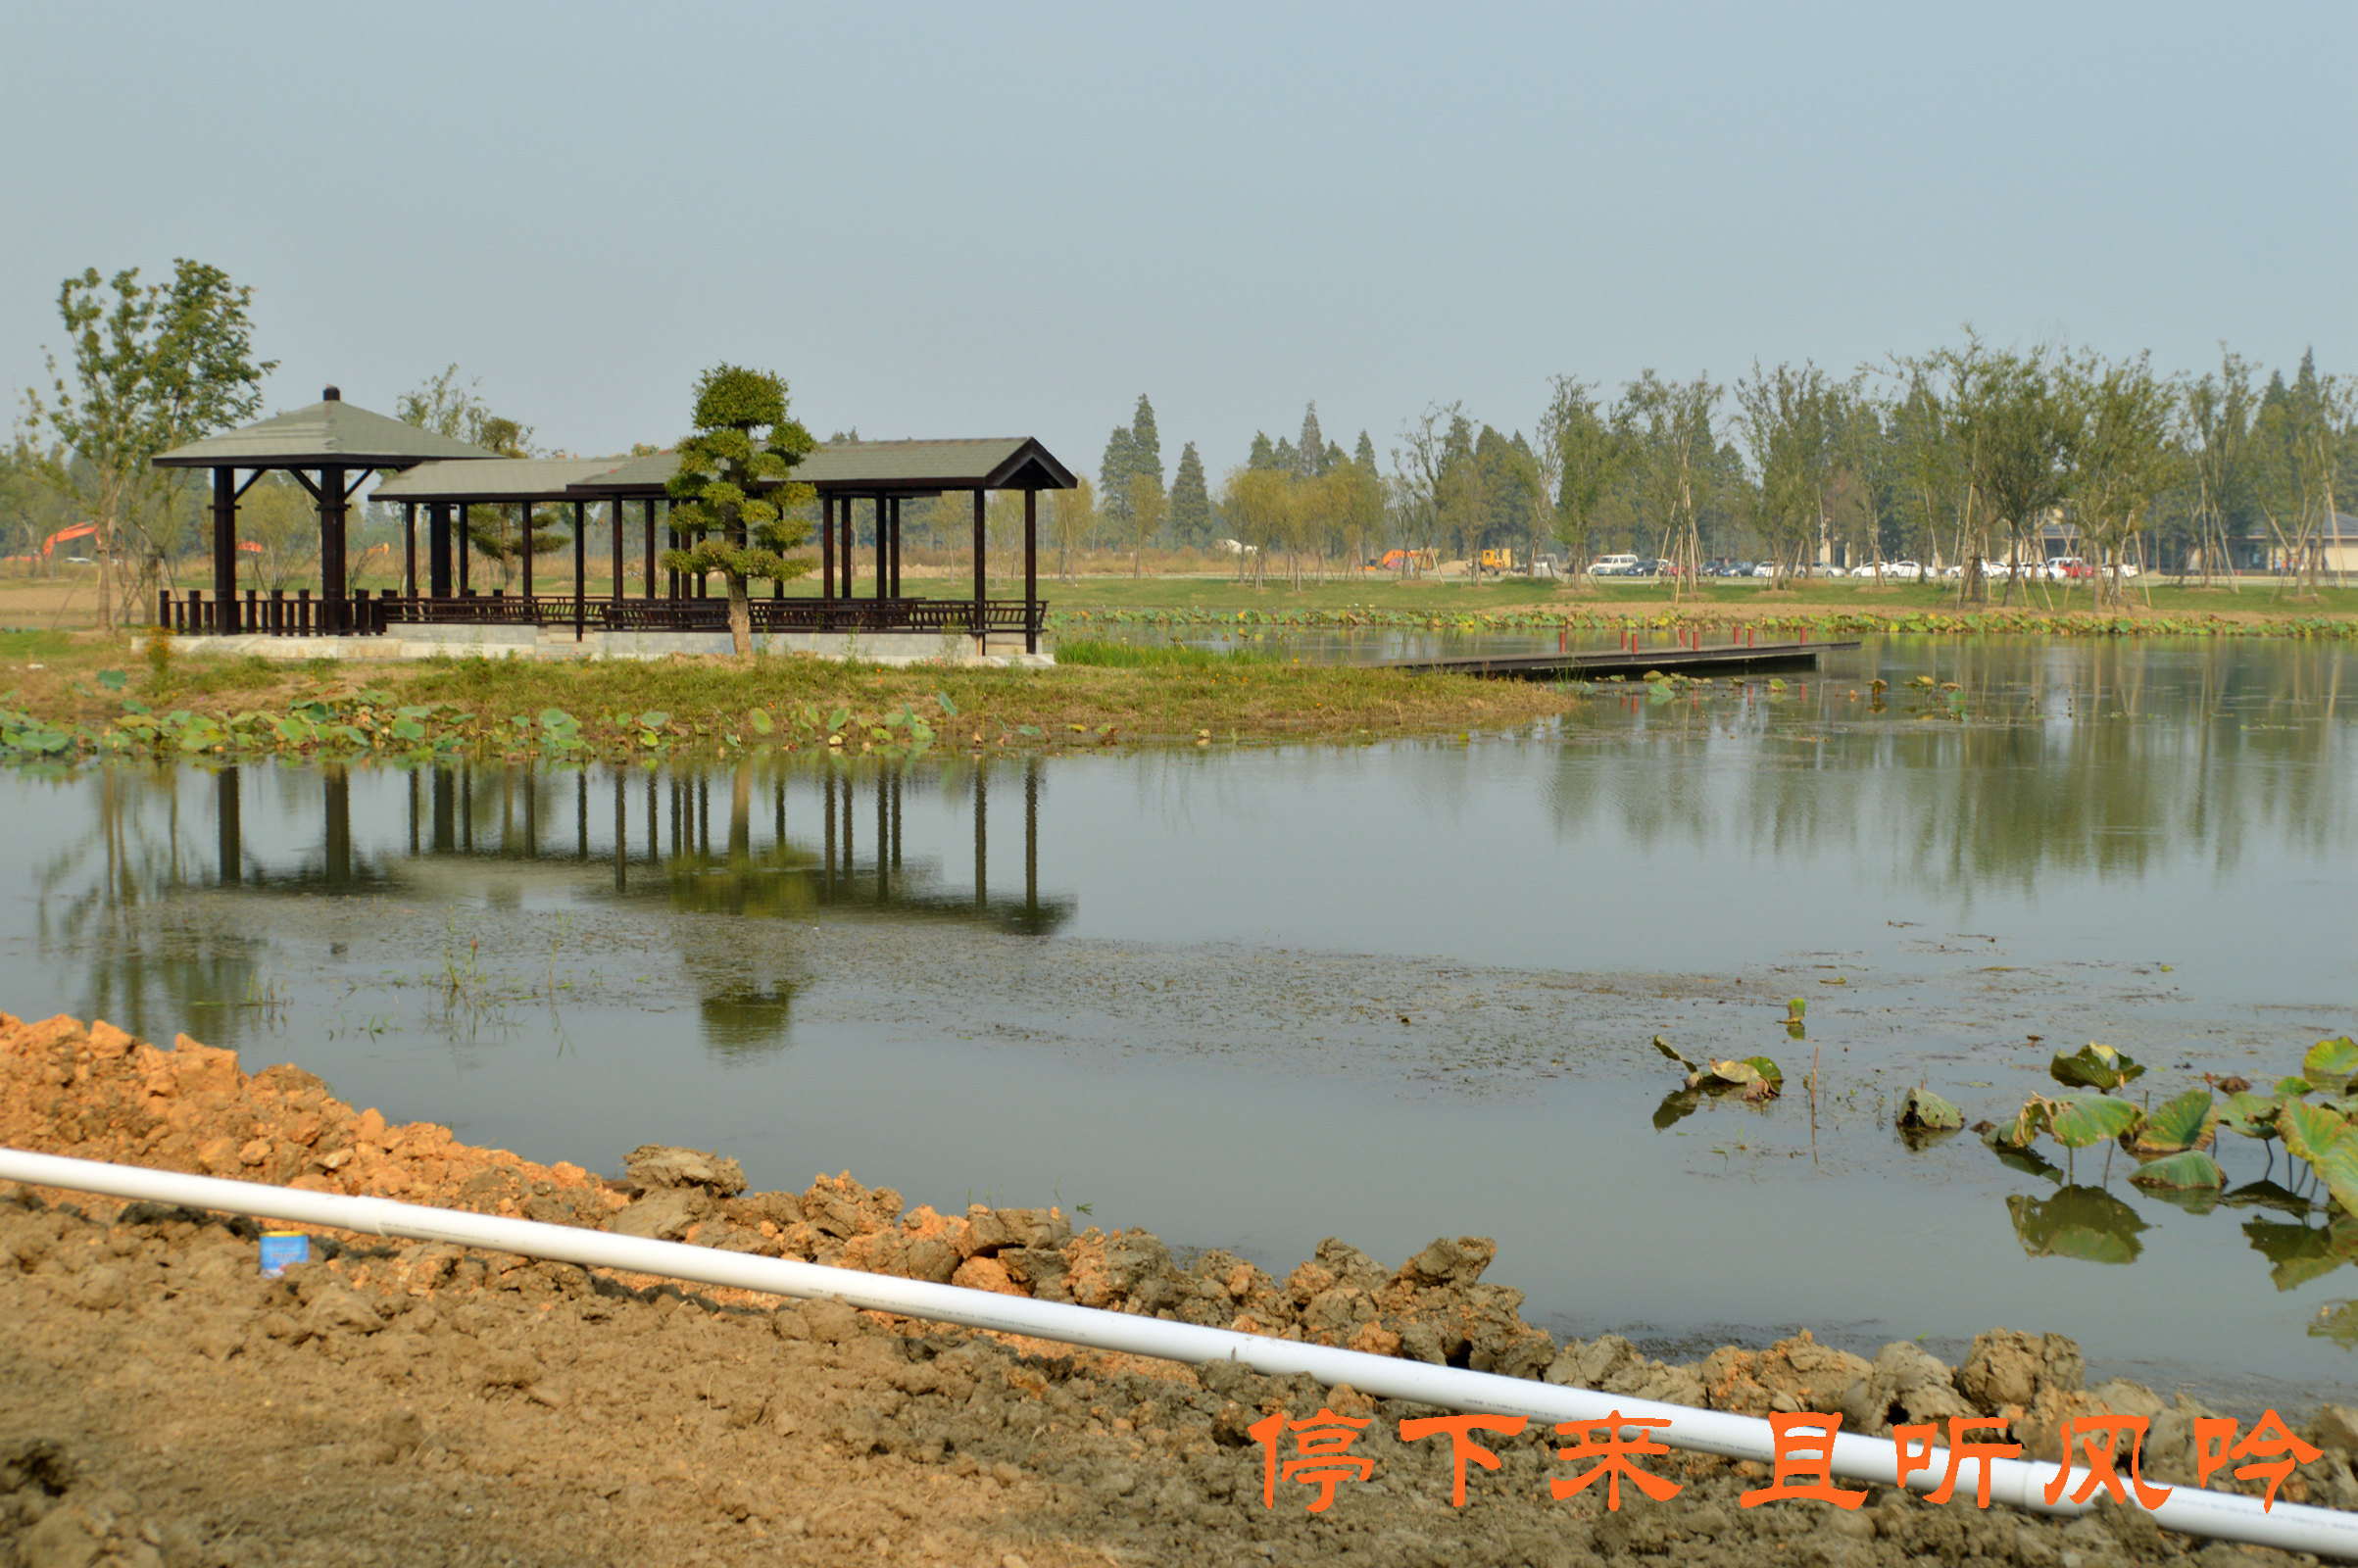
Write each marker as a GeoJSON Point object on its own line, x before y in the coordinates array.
{"type": "Point", "coordinates": [1031, 570]}
{"type": "Point", "coordinates": [616, 595]}
{"type": "Point", "coordinates": [331, 549]}
{"type": "Point", "coordinates": [884, 570]}
{"type": "Point", "coordinates": [465, 528]}
{"type": "Point", "coordinates": [843, 516]}
{"type": "Point", "coordinates": [649, 583]}
{"type": "Point", "coordinates": [523, 511]}
{"type": "Point", "coordinates": [224, 543]}
{"type": "Point", "coordinates": [580, 566]}
{"type": "Point", "coordinates": [896, 546]}
{"type": "Point", "coordinates": [409, 549]}
{"type": "Point", "coordinates": [826, 548]}
{"type": "Point", "coordinates": [981, 638]}
{"type": "Point", "coordinates": [437, 548]}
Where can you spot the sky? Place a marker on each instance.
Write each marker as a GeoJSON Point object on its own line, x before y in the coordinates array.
{"type": "Point", "coordinates": [1014, 220]}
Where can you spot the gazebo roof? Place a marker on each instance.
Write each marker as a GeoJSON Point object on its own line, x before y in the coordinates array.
{"type": "Point", "coordinates": [330, 433]}
{"type": "Point", "coordinates": [468, 479]}
{"type": "Point", "coordinates": [994, 463]}
{"type": "Point", "coordinates": [876, 467]}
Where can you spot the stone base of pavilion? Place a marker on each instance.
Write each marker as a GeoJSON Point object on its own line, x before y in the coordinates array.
{"type": "Point", "coordinates": [1003, 651]}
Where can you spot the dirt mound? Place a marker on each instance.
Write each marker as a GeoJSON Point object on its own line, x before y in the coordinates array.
{"type": "Point", "coordinates": [162, 1404]}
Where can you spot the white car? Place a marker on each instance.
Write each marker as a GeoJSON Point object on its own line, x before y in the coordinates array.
{"type": "Point", "coordinates": [1904, 570]}
{"type": "Point", "coordinates": [1624, 565]}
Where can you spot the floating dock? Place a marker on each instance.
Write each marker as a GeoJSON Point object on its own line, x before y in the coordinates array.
{"type": "Point", "coordinates": [1606, 662]}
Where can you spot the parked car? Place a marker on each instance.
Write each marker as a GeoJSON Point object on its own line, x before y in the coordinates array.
{"type": "Point", "coordinates": [1622, 564]}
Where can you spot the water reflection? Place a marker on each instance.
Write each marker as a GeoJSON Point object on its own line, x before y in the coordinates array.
{"type": "Point", "coordinates": [2102, 759]}
{"type": "Point", "coordinates": [124, 901]}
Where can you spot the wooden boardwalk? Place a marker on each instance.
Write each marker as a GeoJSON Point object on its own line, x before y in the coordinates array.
{"type": "Point", "coordinates": [1603, 663]}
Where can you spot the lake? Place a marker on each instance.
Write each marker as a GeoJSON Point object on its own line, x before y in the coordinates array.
{"type": "Point", "coordinates": [1252, 996]}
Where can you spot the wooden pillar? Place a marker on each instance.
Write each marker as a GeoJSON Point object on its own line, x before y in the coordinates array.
{"type": "Point", "coordinates": [437, 548]}
{"type": "Point", "coordinates": [843, 518]}
{"type": "Point", "coordinates": [580, 566]}
{"type": "Point", "coordinates": [1031, 570]}
{"type": "Point", "coordinates": [228, 828]}
{"type": "Point", "coordinates": [980, 633]}
{"type": "Point", "coordinates": [523, 514]}
{"type": "Point", "coordinates": [332, 591]}
{"type": "Point", "coordinates": [408, 550]}
{"type": "Point", "coordinates": [224, 545]}
{"type": "Point", "coordinates": [982, 823]}
{"type": "Point", "coordinates": [650, 585]}
{"type": "Point", "coordinates": [616, 504]}
{"type": "Point", "coordinates": [884, 566]}
{"type": "Point", "coordinates": [896, 546]}
{"type": "Point", "coordinates": [465, 528]}
{"type": "Point", "coordinates": [826, 547]}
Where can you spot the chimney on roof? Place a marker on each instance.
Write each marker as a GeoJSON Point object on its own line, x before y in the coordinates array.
{"type": "Point", "coordinates": [330, 395]}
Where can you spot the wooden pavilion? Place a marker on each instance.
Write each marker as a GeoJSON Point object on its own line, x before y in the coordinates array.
{"type": "Point", "coordinates": [331, 449]}
{"type": "Point", "coordinates": [448, 478]}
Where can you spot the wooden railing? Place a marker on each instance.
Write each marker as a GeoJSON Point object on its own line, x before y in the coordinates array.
{"type": "Point", "coordinates": [277, 615]}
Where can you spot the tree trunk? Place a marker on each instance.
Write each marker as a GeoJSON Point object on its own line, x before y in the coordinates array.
{"type": "Point", "coordinates": [741, 616]}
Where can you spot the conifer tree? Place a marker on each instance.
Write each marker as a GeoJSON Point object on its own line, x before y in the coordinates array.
{"type": "Point", "coordinates": [738, 533]}
{"type": "Point", "coordinates": [1113, 474]}
{"type": "Point", "coordinates": [1309, 452]}
{"type": "Point", "coordinates": [1145, 445]}
{"type": "Point", "coordinates": [1190, 500]}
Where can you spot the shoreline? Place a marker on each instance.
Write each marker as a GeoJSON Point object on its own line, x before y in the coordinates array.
{"type": "Point", "coordinates": [95, 1092]}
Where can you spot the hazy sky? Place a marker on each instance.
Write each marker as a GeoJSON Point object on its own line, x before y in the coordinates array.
{"type": "Point", "coordinates": [993, 220]}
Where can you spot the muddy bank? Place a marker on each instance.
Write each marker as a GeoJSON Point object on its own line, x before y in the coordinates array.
{"type": "Point", "coordinates": [159, 1403]}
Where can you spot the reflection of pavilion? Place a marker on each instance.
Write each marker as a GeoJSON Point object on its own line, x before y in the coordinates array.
{"type": "Point", "coordinates": [654, 833]}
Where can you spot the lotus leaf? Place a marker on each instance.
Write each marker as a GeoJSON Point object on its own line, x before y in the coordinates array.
{"type": "Point", "coordinates": [555, 719]}
{"type": "Point", "coordinates": [2079, 1121]}
{"type": "Point", "coordinates": [2330, 1064]}
{"type": "Point", "coordinates": [1668, 1050]}
{"type": "Point", "coordinates": [408, 729]}
{"type": "Point", "coordinates": [2094, 1066]}
{"type": "Point", "coordinates": [2251, 1115]}
{"type": "Point", "coordinates": [2192, 1169]}
{"type": "Point", "coordinates": [1921, 1109]}
{"type": "Point", "coordinates": [653, 718]}
{"type": "Point", "coordinates": [2309, 1130]}
{"type": "Point", "coordinates": [2189, 1121]}
{"type": "Point", "coordinates": [2088, 1223]}
{"type": "Point", "coordinates": [2024, 1128]}
{"type": "Point", "coordinates": [112, 679]}
{"type": "Point", "coordinates": [838, 719]}
{"type": "Point", "coordinates": [2293, 1087]}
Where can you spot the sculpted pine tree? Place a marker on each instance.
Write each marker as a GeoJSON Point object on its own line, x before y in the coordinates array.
{"type": "Point", "coordinates": [1190, 500]}
{"type": "Point", "coordinates": [740, 531]}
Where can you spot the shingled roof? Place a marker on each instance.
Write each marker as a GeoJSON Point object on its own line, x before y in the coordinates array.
{"type": "Point", "coordinates": [501, 479]}
{"type": "Point", "coordinates": [331, 432]}
{"type": "Point", "coordinates": [877, 467]}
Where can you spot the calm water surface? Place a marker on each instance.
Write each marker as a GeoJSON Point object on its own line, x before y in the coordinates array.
{"type": "Point", "coordinates": [1254, 997]}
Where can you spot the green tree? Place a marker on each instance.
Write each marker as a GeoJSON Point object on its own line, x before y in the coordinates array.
{"type": "Point", "coordinates": [1075, 520]}
{"type": "Point", "coordinates": [2214, 434]}
{"type": "Point", "coordinates": [1113, 474]}
{"type": "Point", "coordinates": [1145, 443]}
{"type": "Point", "coordinates": [1310, 450]}
{"type": "Point", "coordinates": [2124, 455]}
{"type": "Point", "coordinates": [1592, 450]}
{"type": "Point", "coordinates": [1674, 437]}
{"type": "Point", "coordinates": [741, 532]}
{"type": "Point", "coordinates": [1256, 505]}
{"type": "Point", "coordinates": [153, 365]}
{"type": "Point", "coordinates": [448, 405]}
{"type": "Point", "coordinates": [2013, 432]}
{"type": "Point", "coordinates": [1145, 510]}
{"type": "Point", "coordinates": [1190, 500]}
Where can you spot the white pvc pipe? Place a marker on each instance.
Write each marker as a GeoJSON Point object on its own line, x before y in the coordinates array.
{"type": "Point", "coordinates": [2021, 1484]}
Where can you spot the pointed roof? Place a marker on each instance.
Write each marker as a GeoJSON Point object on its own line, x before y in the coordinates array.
{"type": "Point", "coordinates": [331, 432]}
{"type": "Point", "coordinates": [878, 468]}
{"type": "Point", "coordinates": [468, 480]}
{"type": "Point", "coordinates": [997, 463]}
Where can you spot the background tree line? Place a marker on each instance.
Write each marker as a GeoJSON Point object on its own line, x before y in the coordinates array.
{"type": "Point", "coordinates": [1966, 455]}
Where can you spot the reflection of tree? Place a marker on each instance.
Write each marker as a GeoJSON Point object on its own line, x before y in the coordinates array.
{"type": "Point", "coordinates": [2099, 757]}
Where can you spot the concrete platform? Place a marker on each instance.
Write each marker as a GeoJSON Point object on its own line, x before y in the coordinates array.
{"type": "Point", "coordinates": [1001, 651]}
